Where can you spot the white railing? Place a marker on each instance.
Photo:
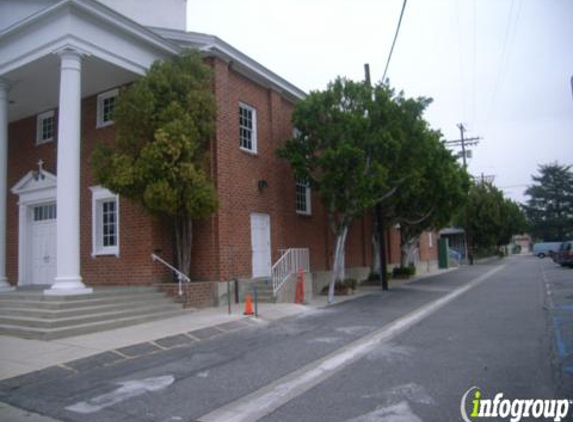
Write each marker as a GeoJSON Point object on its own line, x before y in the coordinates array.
{"type": "Point", "coordinates": [455, 256]}
{"type": "Point", "coordinates": [290, 262]}
{"type": "Point", "coordinates": [180, 276]}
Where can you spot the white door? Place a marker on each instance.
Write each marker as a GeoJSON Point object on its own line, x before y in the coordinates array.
{"type": "Point", "coordinates": [43, 243]}
{"type": "Point", "coordinates": [261, 244]}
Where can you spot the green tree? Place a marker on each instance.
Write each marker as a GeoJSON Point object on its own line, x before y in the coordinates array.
{"type": "Point", "coordinates": [164, 122]}
{"type": "Point", "coordinates": [482, 217]}
{"type": "Point", "coordinates": [342, 133]}
{"type": "Point", "coordinates": [513, 222]}
{"type": "Point", "coordinates": [550, 205]}
{"type": "Point", "coordinates": [489, 219]}
{"type": "Point", "coordinates": [435, 194]}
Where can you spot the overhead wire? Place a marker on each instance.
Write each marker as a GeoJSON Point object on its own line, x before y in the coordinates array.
{"type": "Point", "coordinates": [474, 67]}
{"type": "Point", "coordinates": [394, 42]}
{"type": "Point", "coordinates": [461, 62]}
{"type": "Point", "coordinates": [511, 27]}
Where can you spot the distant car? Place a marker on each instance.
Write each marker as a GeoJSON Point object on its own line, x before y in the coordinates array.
{"type": "Point", "coordinates": [564, 256]}
{"type": "Point", "coordinates": [541, 250]}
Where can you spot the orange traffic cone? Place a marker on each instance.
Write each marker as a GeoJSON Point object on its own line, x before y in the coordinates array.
{"type": "Point", "coordinates": [299, 288]}
{"type": "Point", "coordinates": [248, 305]}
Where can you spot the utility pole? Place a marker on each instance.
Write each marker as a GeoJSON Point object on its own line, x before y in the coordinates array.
{"type": "Point", "coordinates": [463, 142]}
{"type": "Point", "coordinates": [379, 219]}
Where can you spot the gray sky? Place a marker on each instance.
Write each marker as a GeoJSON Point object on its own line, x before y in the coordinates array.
{"type": "Point", "coordinates": [502, 67]}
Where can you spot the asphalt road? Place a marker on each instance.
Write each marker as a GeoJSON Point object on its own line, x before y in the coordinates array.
{"type": "Point", "coordinates": [406, 355]}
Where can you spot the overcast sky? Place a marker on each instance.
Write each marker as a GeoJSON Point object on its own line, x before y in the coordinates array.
{"type": "Point", "coordinates": [502, 67]}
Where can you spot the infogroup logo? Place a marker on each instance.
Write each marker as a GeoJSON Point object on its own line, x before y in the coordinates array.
{"type": "Point", "coordinates": [512, 409]}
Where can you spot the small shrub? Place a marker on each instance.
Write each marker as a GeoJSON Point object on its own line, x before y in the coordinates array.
{"type": "Point", "coordinates": [373, 276]}
{"type": "Point", "coordinates": [350, 283]}
{"type": "Point", "coordinates": [340, 289]}
{"type": "Point", "coordinates": [404, 272]}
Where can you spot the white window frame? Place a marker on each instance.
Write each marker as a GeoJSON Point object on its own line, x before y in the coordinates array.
{"type": "Point", "coordinates": [99, 196]}
{"type": "Point", "coordinates": [431, 239]}
{"type": "Point", "coordinates": [308, 196]}
{"type": "Point", "coordinates": [100, 106]}
{"type": "Point", "coordinates": [253, 130]}
{"type": "Point", "coordinates": [40, 127]}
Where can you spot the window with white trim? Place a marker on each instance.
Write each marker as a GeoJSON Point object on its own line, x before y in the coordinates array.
{"type": "Point", "coordinates": [105, 222]}
{"type": "Point", "coordinates": [431, 239]}
{"type": "Point", "coordinates": [302, 198]}
{"type": "Point", "coordinates": [45, 127]}
{"type": "Point", "coordinates": [247, 128]}
{"type": "Point", "coordinates": [105, 106]}
{"type": "Point", "coordinates": [45, 212]}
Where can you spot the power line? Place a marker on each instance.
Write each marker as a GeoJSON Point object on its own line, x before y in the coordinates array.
{"type": "Point", "coordinates": [475, 62]}
{"type": "Point", "coordinates": [394, 42]}
{"type": "Point", "coordinates": [511, 27]}
{"type": "Point", "coordinates": [461, 61]}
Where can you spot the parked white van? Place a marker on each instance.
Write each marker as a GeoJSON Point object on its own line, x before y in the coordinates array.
{"type": "Point", "coordinates": [541, 250]}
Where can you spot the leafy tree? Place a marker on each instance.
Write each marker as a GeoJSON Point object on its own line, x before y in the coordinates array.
{"type": "Point", "coordinates": [358, 146]}
{"type": "Point", "coordinates": [550, 205]}
{"type": "Point", "coordinates": [431, 199]}
{"type": "Point", "coordinates": [513, 222]}
{"type": "Point", "coordinates": [482, 217]}
{"type": "Point", "coordinates": [342, 134]}
{"type": "Point", "coordinates": [490, 219]}
{"type": "Point", "coordinates": [164, 122]}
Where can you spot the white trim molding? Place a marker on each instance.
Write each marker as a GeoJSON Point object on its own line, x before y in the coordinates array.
{"type": "Point", "coordinates": [303, 203]}
{"type": "Point", "coordinates": [249, 125]}
{"type": "Point", "coordinates": [36, 187]}
{"type": "Point", "coordinates": [103, 118]}
{"type": "Point", "coordinates": [100, 196]}
{"type": "Point", "coordinates": [40, 133]}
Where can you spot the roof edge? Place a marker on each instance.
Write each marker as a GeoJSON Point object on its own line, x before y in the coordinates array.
{"type": "Point", "coordinates": [212, 44]}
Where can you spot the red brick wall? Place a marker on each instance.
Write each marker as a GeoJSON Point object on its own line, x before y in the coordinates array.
{"type": "Point", "coordinates": [195, 294]}
{"type": "Point", "coordinates": [237, 173]}
{"type": "Point", "coordinates": [394, 249]}
{"type": "Point", "coordinates": [427, 252]}
{"type": "Point", "coordinates": [222, 243]}
{"type": "Point", "coordinates": [140, 234]}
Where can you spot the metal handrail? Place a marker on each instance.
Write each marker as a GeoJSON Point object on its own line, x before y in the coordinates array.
{"type": "Point", "coordinates": [180, 276]}
{"type": "Point", "coordinates": [289, 263]}
{"type": "Point", "coordinates": [455, 255]}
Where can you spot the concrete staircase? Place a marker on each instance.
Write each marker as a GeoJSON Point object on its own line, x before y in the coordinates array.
{"type": "Point", "coordinates": [264, 290]}
{"type": "Point", "coordinates": [27, 313]}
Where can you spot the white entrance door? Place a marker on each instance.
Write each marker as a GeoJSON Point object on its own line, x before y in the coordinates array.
{"type": "Point", "coordinates": [43, 243]}
{"type": "Point", "coordinates": [261, 244]}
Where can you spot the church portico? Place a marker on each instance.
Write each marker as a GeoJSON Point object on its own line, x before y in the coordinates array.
{"type": "Point", "coordinates": [51, 62]}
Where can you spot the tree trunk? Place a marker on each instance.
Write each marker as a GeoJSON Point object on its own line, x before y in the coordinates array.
{"type": "Point", "coordinates": [338, 265]}
{"type": "Point", "coordinates": [183, 243]}
{"type": "Point", "coordinates": [406, 250]}
{"type": "Point", "coordinates": [376, 263]}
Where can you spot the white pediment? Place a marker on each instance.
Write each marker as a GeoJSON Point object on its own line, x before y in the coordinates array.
{"type": "Point", "coordinates": [34, 181]}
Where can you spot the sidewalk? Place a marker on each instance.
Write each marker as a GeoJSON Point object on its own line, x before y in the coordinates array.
{"type": "Point", "coordinates": [20, 356]}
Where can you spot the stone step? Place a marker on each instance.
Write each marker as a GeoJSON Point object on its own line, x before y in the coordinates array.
{"type": "Point", "coordinates": [25, 310]}
{"type": "Point", "coordinates": [98, 293]}
{"type": "Point", "coordinates": [38, 302]}
{"type": "Point", "coordinates": [74, 330]}
{"type": "Point", "coordinates": [61, 322]}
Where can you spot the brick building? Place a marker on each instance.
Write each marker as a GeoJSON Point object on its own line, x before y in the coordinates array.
{"type": "Point", "coordinates": [61, 64]}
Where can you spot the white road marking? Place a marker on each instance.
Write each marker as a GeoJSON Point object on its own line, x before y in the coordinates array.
{"type": "Point", "coordinates": [327, 340]}
{"type": "Point", "coordinates": [355, 329]}
{"type": "Point", "coordinates": [400, 412]}
{"type": "Point", "coordinates": [128, 390]}
{"type": "Point", "coordinates": [262, 402]}
{"type": "Point", "coordinates": [413, 392]}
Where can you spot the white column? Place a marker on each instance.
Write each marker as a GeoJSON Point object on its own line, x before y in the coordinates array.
{"type": "Point", "coordinates": [68, 280]}
{"type": "Point", "coordinates": [4, 286]}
